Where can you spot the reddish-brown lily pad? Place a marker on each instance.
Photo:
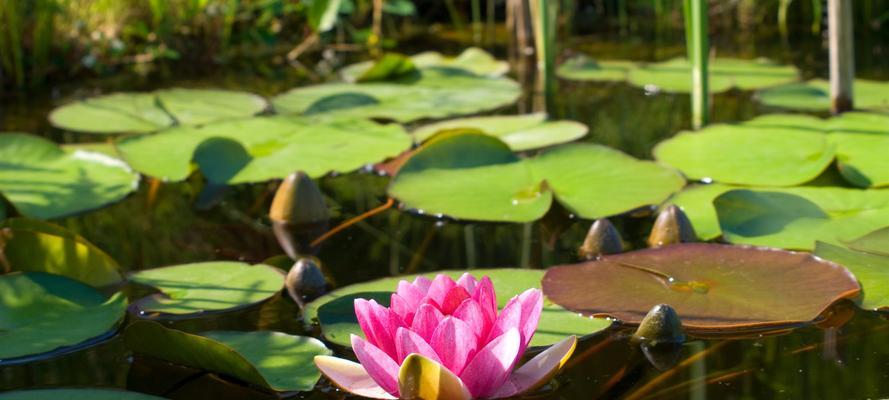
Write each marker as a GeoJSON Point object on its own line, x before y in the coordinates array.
{"type": "Point", "coordinates": [714, 288]}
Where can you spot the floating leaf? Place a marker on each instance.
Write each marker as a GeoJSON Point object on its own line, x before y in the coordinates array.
{"type": "Point", "coordinates": [714, 288]}
{"type": "Point", "coordinates": [44, 312]}
{"type": "Point", "coordinates": [202, 106]}
{"type": "Point", "coordinates": [390, 66]}
{"type": "Point", "coordinates": [275, 147]}
{"type": "Point", "coordinates": [794, 218]}
{"type": "Point", "coordinates": [871, 270]}
{"type": "Point", "coordinates": [75, 394]}
{"type": "Point", "coordinates": [436, 93]}
{"type": "Point", "coordinates": [208, 286]}
{"type": "Point", "coordinates": [520, 132]}
{"type": "Point", "coordinates": [336, 313]}
{"type": "Point", "coordinates": [43, 247]}
{"type": "Point", "coordinates": [862, 142]}
{"type": "Point", "coordinates": [43, 181]}
{"type": "Point", "coordinates": [274, 360]}
{"type": "Point", "coordinates": [473, 60]}
{"type": "Point", "coordinates": [583, 68]}
{"type": "Point", "coordinates": [674, 75]}
{"type": "Point", "coordinates": [748, 156]}
{"type": "Point", "coordinates": [814, 95]}
{"type": "Point", "coordinates": [876, 242]}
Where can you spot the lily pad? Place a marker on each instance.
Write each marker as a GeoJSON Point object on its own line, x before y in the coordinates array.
{"type": "Point", "coordinates": [876, 242]}
{"type": "Point", "coordinates": [584, 68]}
{"type": "Point", "coordinates": [44, 312]}
{"type": "Point", "coordinates": [43, 181]}
{"type": "Point", "coordinates": [336, 313]}
{"type": "Point", "coordinates": [43, 247]}
{"type": "Point", "coordinates": [473, 60]}
{"type": "Point", "coordinates": [474, 176]}
{"type": "Point", "coordinates": [208, 286]}
{"type": "Point", "coordinates": [389, 66]}
{"type": "Point", "coordinates": [871, 270]}
{"type": "Point", "coordinates": [862, 142]}
{"type": "Point", "coordinates": [149, 112]}
{"type": "Point", "coordinates": [714, 288]}
{"type": "Point", "coordinates": [435, 93]}
{"type": "Point", "coordinates": [674, 75]}
{"type": "Point", "coordinates": [273, 147]}
{"type": "Point", "coordinates": [75, 394]}
{"type": "Point", "coordinates": [795, 218]}
{"type": "Point", "coordinates": [814, 95]}
{"type": "Point", "coordinates": [748, 156]}
{"type": "Point", "coordinates": [274, 360]}
{"type": "Point", "coordinates": [520, 132]}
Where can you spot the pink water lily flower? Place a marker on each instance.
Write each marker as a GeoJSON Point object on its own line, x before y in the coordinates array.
{"type": "Point", "coordinates": [441, 339]}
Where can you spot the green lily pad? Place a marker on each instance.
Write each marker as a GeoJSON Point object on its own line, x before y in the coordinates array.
{"type": "Point", "coordinates": [273, 147]}
{"type": "Point", "coordinates": [862, 142]}
{"type": "Point", "coordinates": [336, 314]}
{"type": "Point", "coordinates": [149, 112]}
{"type": "Point", "coordinates": [435, 93]}
{"type": "Point", "coordinates": [208, 286]}
{"type": "Point", "coordinates": [876, 242]}
{"type": "Point", "coordinates": [274, 360]}
{"type": "Point", "coordinates": [520, 132]}
{"type": "Point", "coordinates": [674, 75]}
{"type": "Point", "coordinates": [795, 218]}
{"type": "Point", "coordinates": [75, 394]}
{"type": "Point", "coordinates": [748, 156]}
{"type": "Point", "coordinates": [473, 59]}
{"type": "Point", "coordinates": [814, 95]}
{"type": "Point", "coordinates": [714, 288]}
{"type": "Point", "coordinates": [44, 312]}
{"type": "Point", "coordinates": [43, 247]}
{"type": "Point", "coordinates": [474, 176]}
{"type": "Point", "coordinates": [871, 270]}
{"type": "Point", "coordinates": [389, 66]}
{"type": "Point", "coordinates": [43, 181]}
{"type": "Point", "coordinates": [584, 68]}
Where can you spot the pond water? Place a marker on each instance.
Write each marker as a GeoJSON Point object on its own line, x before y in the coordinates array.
{"type": "Point", "coordinates": [166, 224]}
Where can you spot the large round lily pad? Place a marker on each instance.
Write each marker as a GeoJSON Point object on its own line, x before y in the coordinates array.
{"type": "Point", "coordinates": [674, 75]}
{"type": "Point", "coordinates": [44, 312]}
{"type": "Point", "coordinates": [149, 112]}
{"type": "Point", "coordinates": [336, 314]}
{"type": "Point", "coordinates": [435, 93]}
{"type": "Point", "coordinates": [274, 360]}
{"type": "Point", "coordinates": [520, 132]}
{"type": "Point", "coordinates": [473, 60]}
{"type": "Point", "coordinates": [475, 176]}
{"type": "Point", "coordinates": [40, 246]}
{"type": "Point", "coordinates": [43, 181]}
{"type": "Point", "coordinates": [748, 156]}
{"type": "Point", "coordinates": [583, 68]}
{"type": "Point", "coordinates": [871, 270]}
{"type": "Point", "coordinates": [264, 148]}
{"type": "Point", "coordinates": [814, 95]}
{"type": "Point", "coordinates": [208, 286]}
{"type": "Point", "coordinates": [75, 394]}
{"type": "Point", "coordinates": [714, 288]}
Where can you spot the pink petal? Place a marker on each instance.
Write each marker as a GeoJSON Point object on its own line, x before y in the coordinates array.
{"type": "Point", "coordinates": [382, 368]}
{"type": "Point", "coordinates": [351, 377]}
{"type": "Point", "coordinates": [531, 302]}
{"type": "Point", "coordinates": [365, 315]}
{"type": "Point", "coordinates": [378, 324]}
{"type": "Point", "coordinates": [486, 297]}
{"type": "Point", "coordinates": [467, 282]}
{"type": "Point", "coordinates": [455, 343]}
{"type": "Point", "coordinates": [410, 293]}
{"type": "Point", "coordinates": [408, 342]}
{"type": "Point", "coordinates": [539, 370]}
{"type": "Point", "coordinates": [426, 320]}
{"type": "Point", "coordinates": [439, 288]}
{"type": "Point", "coordinates": [492, 365]}
{"type": "Point", "coordinates": [471, 313]}
{"type": "Point", "coordinates": [422, 284]}
{"type": "Point", "coordinates": [510, 317]}
{"type": "Point", "coordinates": [403, 308]}
{"type": "Point", "coordinates": [453, 300]}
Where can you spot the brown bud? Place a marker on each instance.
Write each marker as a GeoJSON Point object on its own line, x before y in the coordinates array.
{"type": "Point", "coordinates": [660, 325]}
{"type": "Point", "coordinates": [602, 239]}
{"type": "Point", "coordinates": [298, 214]}
{"type": "Point", "coordinates": [671, 227]}
{"type": "Point", "coordinates": [305, 281]}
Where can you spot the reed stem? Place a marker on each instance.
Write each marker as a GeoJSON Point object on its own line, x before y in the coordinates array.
{"type": "Point", "coordinates": [842, 55]}
{"type": "Point", "coordinates": [698, 47]}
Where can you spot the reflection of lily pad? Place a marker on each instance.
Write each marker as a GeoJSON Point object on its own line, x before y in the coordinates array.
{"type": "Point", "coordinates": [43, 181]}
{"type": "Point", "coordinates": [583, 68]}
{"type": "Point", "coordinates": [148, 112]}
{"type": "Point", "coordinates": [274, 360]}
{"type": "Point", "coordinates": [748, 156]}
{"type": "Point", "coordinates": [475, 176]}
{"type": "Point", "coordinates": [208, 286]}
{"type": "Point", "coordinates": [337, 316]}
{"type": "Point", "coordinates": [43, 312]}
{"type": "Point", "coordinates": [871, 270]}
{"type": "Point", "coordinates": [714, 288]}
{"type": "Point", "coordinates": [794, 218]}
{"type": "Point", "coordinates": [75, 394]}
{"type": "Point", "coordinates": [520, 132]}
{"type": "Point", "coordinates": [43, 247]}
{"type": "Point", "coordinates": [436, 93]}
{"type": "Point", "coordinates": [274, 146]}
{"type": "Point", "coordinates": [814, 95]}
{"type": "Point", "coordinates": [674, 75]}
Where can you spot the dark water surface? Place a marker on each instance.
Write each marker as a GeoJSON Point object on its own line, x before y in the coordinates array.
{"type": "Point", "coordinates": [162, 225]}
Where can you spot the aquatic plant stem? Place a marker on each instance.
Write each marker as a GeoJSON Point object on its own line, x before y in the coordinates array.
{"type": "Point", "coordinates": [698, 47]}
{"type": "Point", "coordinates": [352, 221]}
{"type": "Point", "coordinates": [842, 55]}
{"type": "Point", "coordinates": [476, 21]}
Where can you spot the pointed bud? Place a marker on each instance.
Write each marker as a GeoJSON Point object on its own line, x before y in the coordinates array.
{"type": "Point", "coordinates": [660, 325]}
{"type": "Point", "coordinates": [305, 281]}
{"type": "Point", "coordinates": [298, 214]}
{"type": "Point", "coordinates": [602, 239]}
{"type": "Point", "coordinates": [671, 227]}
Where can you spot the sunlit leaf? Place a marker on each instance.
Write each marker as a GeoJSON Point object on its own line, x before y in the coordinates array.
{"type": "Point", "coordinates": [583, 68]}
{"type": "Point", "coordinates": [674, 75]}
{"type": "Point", "coordinates": [520, 132]}
{"type": "Point", "coordinates": [814, 95]}
{"type": "Point", "coordinates": [871, 270]}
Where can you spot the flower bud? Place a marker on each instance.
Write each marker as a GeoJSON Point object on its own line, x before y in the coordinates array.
{"type": "Point", "coordinates": [671, 227]}
{"type": "Point", "coordinates": [298, 214]}
{"type": "Point", "coordinates": [602, 239]}
{"type": "Point", "coordinates": [305, 281]}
